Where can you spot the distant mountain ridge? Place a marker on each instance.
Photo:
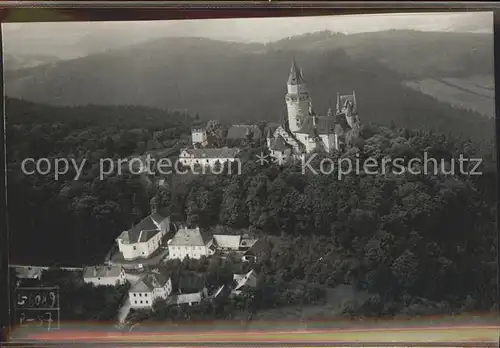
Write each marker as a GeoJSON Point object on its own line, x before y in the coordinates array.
{"type": "Point", "coordinates": [240, 82]}
{"type": "Point", "coordinates": [16, 62]}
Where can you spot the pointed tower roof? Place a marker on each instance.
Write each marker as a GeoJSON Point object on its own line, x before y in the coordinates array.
{"type": "Point", "coordinates": [295, 77]}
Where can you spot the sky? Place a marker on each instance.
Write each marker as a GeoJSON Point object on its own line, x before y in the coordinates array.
{"type": "Point", "coordinates": [75, 39]}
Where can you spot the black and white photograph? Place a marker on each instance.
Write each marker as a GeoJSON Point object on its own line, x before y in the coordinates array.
{"type": "Point", "coordinates": [292, 179]}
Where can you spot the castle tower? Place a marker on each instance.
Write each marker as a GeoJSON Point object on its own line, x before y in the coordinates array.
{"type": "Point", "coordinates": [199, 136]}
{"type": "Point", "coordinates": [297, 98]}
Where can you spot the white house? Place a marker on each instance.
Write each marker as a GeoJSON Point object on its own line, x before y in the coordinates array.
{"type": "Point", "coordinates": [199, 136]}
{"type": "Point", "coordinates": [104, 275]}
{"type": "Point", "coordinates": [151, 287]}
{"type": "Point", "coordinates": [142, 240]}
{"type": "Point", "coordinates": [208, 158]}
{"type": "Point", "coordinates": [192, 243]}
{"type": "Point", "coordinates": [28, 272]}
{"type": "Point", "coordinates": [227, 242]}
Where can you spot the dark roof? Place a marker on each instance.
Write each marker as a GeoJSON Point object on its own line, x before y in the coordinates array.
{"type": "Point", "coordinates": [324, 125]}
{"type": "Point", "coordinates": [160, 214]}
{"type": "Point", "coordinates": [102, 271]}
{"type": "Point", "coordinates": [224, 152]}
{"type": "Point", "coordinates": [189, 283]}
{"type": "Point", "coordinates": [150, 282]}
{"type": "Point", "coordinates": [295, 76]}
{"type": "Point", "coordinates": [279, 144]}
{"type": "Point", "coordinates": [257, 249]}
{"type": "Point", "coordinates": [341, 125]}
{"type": "Point", "coordinates": [240, 131]}
{"type": "Point", "coordinates": [155, 280]}
{"type": "Point", "coordinates": [148, 226]}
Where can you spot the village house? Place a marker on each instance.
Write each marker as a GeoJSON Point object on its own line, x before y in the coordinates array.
{"type": "Point", "coordinates": [28, 272]}
{"type": "Point", "coordinates": [208, 158]}
{"type": "Point", "coordinates": [142, 240]}
{"type": "Point", "coordinates": [244, 281]}
{"type": "Point", "coordinates": [233, 242]}
{"type": "Point", "coordinates": [254, 251]}
{"type": "Point", "coordinates": [226, 242]}
{"type": "Point", "coordinates": [151, 287]}
{"type": "Point", "coordinates": [192, 243]}
{"type": "Point", "coordinates": [191, 290]}
{"type": "Point", "coordinates": [104, 275]}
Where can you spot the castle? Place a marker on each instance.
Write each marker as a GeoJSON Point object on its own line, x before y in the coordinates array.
{"type": "Point", "coordinates": [303, 131]}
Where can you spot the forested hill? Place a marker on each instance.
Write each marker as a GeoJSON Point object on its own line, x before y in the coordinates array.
{"type": "Point", "coordinates": [76, 221]}
{"type": "Point", "coordinates": [407, 237]}
{"type": "Point", "coordinates": [237, 82]}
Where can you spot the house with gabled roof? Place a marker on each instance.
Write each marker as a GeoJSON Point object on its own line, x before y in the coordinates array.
{"type": "Point", "coordinates": [143, 239]}
{"type": "Point", "coordinates": [191, 242]}
{"type": "Point", "coordinates": [28, 272]}
{"type": "Point", "coordinates": [208, 157]}
{"type": "Point", "coordinates": [104, 275]}
{"type": "Point", "coordinates": [148, 289]}
{"type": "Point", "coordinates": [190, 289]}
{"type": "Point", "coordinates": [255, 251]}
{"type": "Point", "coordinates": [244, 281]}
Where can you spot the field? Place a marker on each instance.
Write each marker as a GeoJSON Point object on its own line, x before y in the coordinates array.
{"type": "Point", "coordinates": [476, 93]}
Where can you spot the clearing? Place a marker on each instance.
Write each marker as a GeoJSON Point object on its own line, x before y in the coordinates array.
{"type": "Point", "coordinates": [476, 93]}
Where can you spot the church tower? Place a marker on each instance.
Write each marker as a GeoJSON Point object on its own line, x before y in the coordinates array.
{"type": "Point", "coordinates": [297, 98]}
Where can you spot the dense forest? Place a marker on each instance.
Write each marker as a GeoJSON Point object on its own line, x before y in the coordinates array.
{"type": "Point", "coordinates": [419, 243]}
{"type": "Point", "coordinates": [84, 215]}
